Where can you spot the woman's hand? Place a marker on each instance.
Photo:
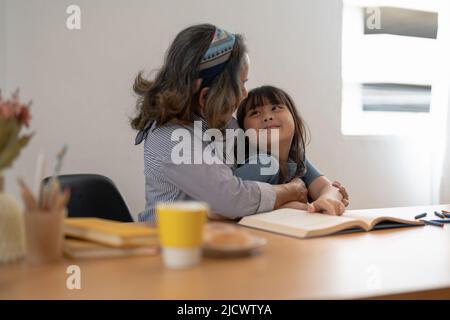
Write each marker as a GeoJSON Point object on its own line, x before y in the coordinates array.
{"type": "Point", "coordinates": [293, 191]}
{"type": "Point", "coordinates": [302, 191]}
{"type": "Point", "coordinates": [342, 191]}
{"type": "Point", "coordinates": [327, 205]}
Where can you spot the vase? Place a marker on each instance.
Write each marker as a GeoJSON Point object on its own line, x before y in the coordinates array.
{"type": "Point", "coordinates": [12, 227]}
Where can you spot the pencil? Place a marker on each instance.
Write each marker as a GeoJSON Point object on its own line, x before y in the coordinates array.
{"type": "Point", "coordinates": [442, 220]}
{"type": "Point", "coordinates": [66, 198]}
{"type": "Point", "coordinates": [54, 193]}
{"type": "Point", "coordinates": [53, 182]}
{"type": "Point", "coordinates": [433, 223]}
{"type": "Point", "coordinates": [62, 199]}
{"type": "Point", "coordinates": [39, 174]}
{"type": "Point", "coordinates": [446, 213]}
{"type": "Point", "coordinates": [420, 215]}
{"type": "Point", "coordinates": [27, 195]}
{"type": "Point", "coordinates": [439, 215]}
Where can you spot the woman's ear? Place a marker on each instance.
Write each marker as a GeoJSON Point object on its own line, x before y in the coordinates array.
{"type": "Point", "coordinates": [202, 97]}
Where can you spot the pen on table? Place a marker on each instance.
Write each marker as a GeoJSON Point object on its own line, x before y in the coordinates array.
{"type": "Point", "coordinates": [441, 220]}
{"type": "Point", "coordinates": [433, 223]}
{"type": "Point", "coordinates": [446, 213]}
{"type": "Point", "coordinates": [439, 215]}
{"type": "Point", "coordinates": [420, 215]}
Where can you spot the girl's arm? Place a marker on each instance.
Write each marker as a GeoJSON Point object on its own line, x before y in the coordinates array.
{"type": "Point", "coordinates": [327, 197]}
{"type": "Point", "coordinates": [343, 192]}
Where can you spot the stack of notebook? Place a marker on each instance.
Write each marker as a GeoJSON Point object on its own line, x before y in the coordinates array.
{"type": "Point", "coordinates": [100, 238]}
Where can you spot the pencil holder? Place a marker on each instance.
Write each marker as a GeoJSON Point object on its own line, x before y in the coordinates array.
{"type": "Point", "coordinates": [44, 232]}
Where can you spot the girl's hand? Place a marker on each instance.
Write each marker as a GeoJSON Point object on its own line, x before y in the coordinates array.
{"type": "Point", "coordinates": [342, 191]}
{"type": "Point", "coordinates": [327, 205]}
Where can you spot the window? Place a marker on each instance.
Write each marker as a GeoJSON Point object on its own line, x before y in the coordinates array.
{"type": "Point", "coordinates": [393, 97]}
{"type": "Point", "coordinates": [388, 65]}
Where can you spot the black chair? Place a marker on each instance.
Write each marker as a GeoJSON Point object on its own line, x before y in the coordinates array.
{"type": "Point", "coordinates": [94, 195]}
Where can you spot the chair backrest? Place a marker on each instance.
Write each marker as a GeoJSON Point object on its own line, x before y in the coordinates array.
{"type": "Point", "coordinates": [94, 195]}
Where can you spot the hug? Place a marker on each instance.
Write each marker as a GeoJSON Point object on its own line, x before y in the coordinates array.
{"type": "Point", "coordinates": [203, 81]}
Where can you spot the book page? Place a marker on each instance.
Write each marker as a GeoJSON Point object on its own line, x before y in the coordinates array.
{"type": "Point", "coordinates": [302, 219]}
{"type": "Point", "coordinates": [401, 215]}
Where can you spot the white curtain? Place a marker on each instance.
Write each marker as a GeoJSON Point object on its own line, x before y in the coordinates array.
{"type": "Point", "coordinates": [443, 194]}
{"type": "Point", "coordinates": [438, 137]}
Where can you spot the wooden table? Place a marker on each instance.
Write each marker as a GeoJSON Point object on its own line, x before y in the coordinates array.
{"type": "Point", "coordinates": [411, 262]}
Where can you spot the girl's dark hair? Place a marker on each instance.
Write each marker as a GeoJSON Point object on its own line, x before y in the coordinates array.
{"type": "Point", "coordinates": [271, 95]}
{"type": "Point", "coordinates": [173, 94]}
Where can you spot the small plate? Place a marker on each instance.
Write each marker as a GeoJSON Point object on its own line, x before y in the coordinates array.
{"type": "Point", "coordinates": [231, 250]}
{"type": "Point", "coordinates": [236, 251]}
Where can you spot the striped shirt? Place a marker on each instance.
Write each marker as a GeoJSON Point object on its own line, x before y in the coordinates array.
{"type": "Point", "coordinates": [214, 183]}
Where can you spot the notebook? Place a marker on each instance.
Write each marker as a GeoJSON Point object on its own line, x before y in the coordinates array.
{"type": "Point", "coordinates": [109, 232]}
{"type": "Point", "coordinates": [80, 249]}
{"type": "Point", "coordinates": [302, 224]}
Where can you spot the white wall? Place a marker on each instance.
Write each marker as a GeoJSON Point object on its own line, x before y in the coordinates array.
{"type": "Point", "coordinates": [2, 45]}
{"type": "Point", "coordinates": [80, 82]}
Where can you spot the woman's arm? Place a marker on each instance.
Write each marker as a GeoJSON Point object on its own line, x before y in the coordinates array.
{"type": "Point", "coordinates": [286, 197]}
{"type": "Point", "coordinates": [229, 196]}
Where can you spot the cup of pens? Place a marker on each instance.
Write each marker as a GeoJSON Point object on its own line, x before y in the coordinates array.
{"type": "Point", "coordinates": [44, 223]}
{"type": "Point", "coordinates": [44, 217]}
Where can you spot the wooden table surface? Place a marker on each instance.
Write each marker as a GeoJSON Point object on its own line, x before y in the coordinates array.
{"type": "Point", "coordinates": [412, 262]}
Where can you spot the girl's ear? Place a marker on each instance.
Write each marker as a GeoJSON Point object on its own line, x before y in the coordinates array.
{"type": "Point", "coordinates": [202, 97]}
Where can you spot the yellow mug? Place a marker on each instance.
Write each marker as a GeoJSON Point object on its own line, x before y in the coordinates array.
{"type": "Point", "coordinates": [180, 229]}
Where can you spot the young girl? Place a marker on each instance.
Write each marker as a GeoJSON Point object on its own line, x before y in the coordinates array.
{"type": "Point", "coordinates": [268, 108]}
{"type": "Point", "coordinates": [202, 81]}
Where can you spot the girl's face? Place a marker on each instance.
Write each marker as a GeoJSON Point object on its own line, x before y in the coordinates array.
{"type": "Point", "coordinates": [269, 117]}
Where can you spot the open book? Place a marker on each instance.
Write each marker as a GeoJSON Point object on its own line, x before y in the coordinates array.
{"type": "Point", "coordinates": [302, 224]}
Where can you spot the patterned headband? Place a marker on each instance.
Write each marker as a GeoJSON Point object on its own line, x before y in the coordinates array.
{"type": "Point", "coordinates": [217, 55]}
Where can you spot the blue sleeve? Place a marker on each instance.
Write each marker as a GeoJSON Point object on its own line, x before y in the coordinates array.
{"type": "Point", "coordinates": [251, 170]}
{"type": "Point", "coordinates": [311, 173]}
